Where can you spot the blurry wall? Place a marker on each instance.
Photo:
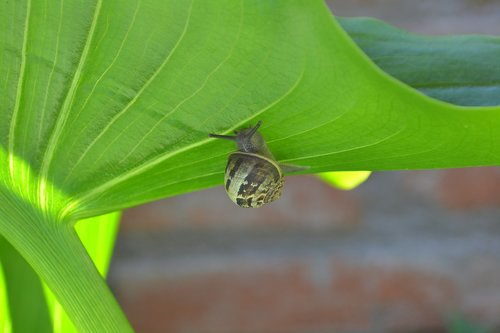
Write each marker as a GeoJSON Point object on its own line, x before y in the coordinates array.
{"type": "Point", "coordinates": [404, 252]}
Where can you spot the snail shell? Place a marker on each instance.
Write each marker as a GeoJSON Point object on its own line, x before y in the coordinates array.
{"type": "Point", "coordinates": [252, 178]}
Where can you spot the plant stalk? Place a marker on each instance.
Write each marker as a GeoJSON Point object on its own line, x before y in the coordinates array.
{"type": "Point", "coordinates": [56, 253]}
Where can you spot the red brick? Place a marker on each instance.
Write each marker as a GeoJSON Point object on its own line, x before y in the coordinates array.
{"type": "Point", "coordinates": [470, 188]}
{"type": "Point", "coordinates": [286, 298]}
{"type": "Point", "coordinates": [401, 299]}
{"type": "Point", "coordinates": [243, 301]}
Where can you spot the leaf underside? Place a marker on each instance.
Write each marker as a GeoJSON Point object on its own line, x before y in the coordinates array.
{"type": "Point", "coordinates": [108, 104]}
{"type": "Point", "coordinates": [461, 70]}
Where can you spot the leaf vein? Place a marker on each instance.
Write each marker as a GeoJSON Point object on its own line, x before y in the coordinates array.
{"type": "Point", "coordinates": [66, 107]}
{"type": "Point", "coordinates": [87, 99]}
{"type": "Point", "coordinates": [87, 196]}
{"type": "Point", "coordinates": [139, 93]}
{"type": "Point", "coordinates": [49, 83]}
{"type": "Point", "coordinates": [20, 82]}
{"type": "Point", "coordinates": [347, 150]}
{"type": "Point", "coordinates": [200, 88]}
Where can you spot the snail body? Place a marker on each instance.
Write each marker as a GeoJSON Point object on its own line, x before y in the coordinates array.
{"type": "Point", "coordinates": [252, 177]}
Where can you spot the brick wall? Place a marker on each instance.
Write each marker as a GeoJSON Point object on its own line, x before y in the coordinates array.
{"type": "Point", "coordinates": [404, 252]}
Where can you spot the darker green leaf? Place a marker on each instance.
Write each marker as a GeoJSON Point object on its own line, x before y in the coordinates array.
{"type": "Point", "coordinates": [462, 70]}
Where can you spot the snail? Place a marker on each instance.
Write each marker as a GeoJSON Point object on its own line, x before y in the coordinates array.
{"type": "Point", "coordinates": [253, 177]}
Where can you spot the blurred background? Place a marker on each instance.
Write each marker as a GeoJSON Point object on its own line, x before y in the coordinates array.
{"type": "Point", "coordinates": [413, 251]}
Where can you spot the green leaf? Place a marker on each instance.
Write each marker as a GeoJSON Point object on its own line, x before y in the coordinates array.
{"type": "Point", "coordinates": [123, 113]}
{"type": "Point", "coordinates": [98, 235]}
{"type": "Point", "coordinates": [461, 70]}
{"type": "Point", "coordinates": [130, 100]}
{"type": "Point", "coordinates": [459, 324]}
{"type": "Point", "coordinates": [107, 104]}
{"type": "Point", "coordinates": [345, 180]}
{"type": "Point", "coordinates": [5, 321]}
{"type": "Point", "coordinates": [24, 308]}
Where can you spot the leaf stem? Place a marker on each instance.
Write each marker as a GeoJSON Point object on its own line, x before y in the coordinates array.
{"type": "Point", "coordinates": [57, 255]}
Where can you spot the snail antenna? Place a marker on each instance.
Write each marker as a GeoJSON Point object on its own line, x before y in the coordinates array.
{"type": "Point", "coordinates": [254, 129]}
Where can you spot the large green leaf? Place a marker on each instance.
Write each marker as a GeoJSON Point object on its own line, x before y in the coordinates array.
{"type": "Point", "coordinates": [107, 113]}
{"type": "Point", "coordinates": [461, 70]}
{"type": "Point", "coordinates": [107, 104]}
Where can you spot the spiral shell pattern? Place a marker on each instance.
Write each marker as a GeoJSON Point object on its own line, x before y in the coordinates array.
{"type": "Point", "coordinates": [252, 180]}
